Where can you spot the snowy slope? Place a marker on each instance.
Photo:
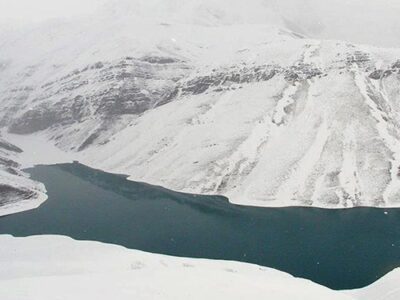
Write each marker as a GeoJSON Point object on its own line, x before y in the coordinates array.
{"type": "Point", "coordinates": [51, 267]}
{"type": "Point", "coordinates": [317, 132]}
{"type": "Point", "coordinates": [17, 191]}
{"type": "Point", "coordinates": [386, 288]}
{"type": "Point", "coordinates": [253, 102]}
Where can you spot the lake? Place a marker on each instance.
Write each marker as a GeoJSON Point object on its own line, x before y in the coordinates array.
{"type": "Point", "coordinates": [341, 249]}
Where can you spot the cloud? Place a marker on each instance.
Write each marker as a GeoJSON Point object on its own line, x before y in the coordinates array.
{"type": "Point", "coordinates": [39, 10]}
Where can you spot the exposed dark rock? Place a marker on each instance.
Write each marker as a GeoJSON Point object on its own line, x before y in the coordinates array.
{"type": "Point", "coordinates": [301, 72]}
{"type": "Point", "coordinates": [396, 65]}
{"type": "Point", "coordinates": [89, 141]}
{"type": "Point", "coordinates": [221, 79]}
{"type": "Point", "coordinates": [169, 96]}
{"type": "Point", "coordinates": [359, 58]}
{"type": "Point", "coordinates": [10, 147]}
{"type": "Point", "coordinates": [376, 75]}
{"type": "Point", "coordinates": [12, 171]}
{"type": "Point", "coordinates": [8, 162]}
{"type": "Point", "coordinates": [35, 120]}
{"type": "Point", "coordinates": [291, 76]}
{"type": "Point", "coordinates": [379, 74]}
{"type": "Point", "coordinates": [159, 60]}
{"type": "Point", "coordinates": [129, 87]}
{"type": "Point", "coordinates": [10, 194]}
{"type": "Point", "coordinates": [200, 85]}
{"type": "Point", "coordinates": [387, 73]}
{"type": "Point", "coordinates": [98, 65]}
{"type": "Point", "coordinates": [124, 101]}
{"type": "Point", "coordinates": [78, 108]}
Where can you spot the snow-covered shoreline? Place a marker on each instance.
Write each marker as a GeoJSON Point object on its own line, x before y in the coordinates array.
{"type": "Point", "coordinates": [216, 97]}
{"type": "Point", "coordinates": [23, 205]}
{"type": "Point", "coordinates": [39, 150]}
{"type": "Point", "coordinates": [18, 192]}
{"type": "Point", "coordinates": [270, 103]}
{"type": "Point", "coordinates": [57, 267]}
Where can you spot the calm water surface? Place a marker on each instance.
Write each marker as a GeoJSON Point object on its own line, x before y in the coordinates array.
{"type": "Point", "coordinates": [341, 249]}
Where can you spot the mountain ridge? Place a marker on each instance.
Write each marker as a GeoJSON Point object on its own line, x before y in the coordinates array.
{"type": "Point", "coordinates": [217, 105]}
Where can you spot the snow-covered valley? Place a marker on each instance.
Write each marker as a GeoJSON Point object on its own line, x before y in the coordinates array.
{"type": "Point", "coordinates": [271, 103]}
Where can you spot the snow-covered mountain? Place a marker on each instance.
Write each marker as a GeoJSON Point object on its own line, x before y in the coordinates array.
{"type": "Point", "coordinates": [259, 101]}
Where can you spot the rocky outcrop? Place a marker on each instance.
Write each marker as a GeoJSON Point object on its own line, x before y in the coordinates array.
{"type": "Point", "coordinates": [17, 191]}
{"type": "Point", "coordinates": [103, 90]}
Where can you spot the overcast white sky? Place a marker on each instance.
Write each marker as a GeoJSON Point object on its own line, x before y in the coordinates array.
{"type": "Point", "coordinates": [373, 22]}
{"type": "Point", "coordinates": [38, 10]}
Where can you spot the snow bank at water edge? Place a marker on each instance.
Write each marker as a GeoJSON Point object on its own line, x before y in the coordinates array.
{"type": "Point", "coordinates": [17, 191]}
{"type": "Point", "coordinates": [56, 267]}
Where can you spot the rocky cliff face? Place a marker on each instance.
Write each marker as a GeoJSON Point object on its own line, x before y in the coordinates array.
{"type": "Point", "coordinates": [100, 94]}
{"type": "Point", "coordinates": [256, 112]}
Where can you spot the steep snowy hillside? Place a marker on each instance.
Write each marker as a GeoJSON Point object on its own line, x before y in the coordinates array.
{"type": "Point", "coordinates": [17, 191]}
{"type": "Point", "coordinates": [321, 129]}
{"type": "Point", "coordinates": [218, 97]}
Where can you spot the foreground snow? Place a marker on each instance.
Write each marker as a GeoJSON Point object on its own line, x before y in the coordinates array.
{"type": "Point", "coordinates": [55, 267]}
{"type": "Point", "coordinates": [387, 288]}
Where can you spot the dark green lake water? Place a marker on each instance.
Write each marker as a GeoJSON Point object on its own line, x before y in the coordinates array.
{"type": "Point", "coordinates": [341, 249]}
